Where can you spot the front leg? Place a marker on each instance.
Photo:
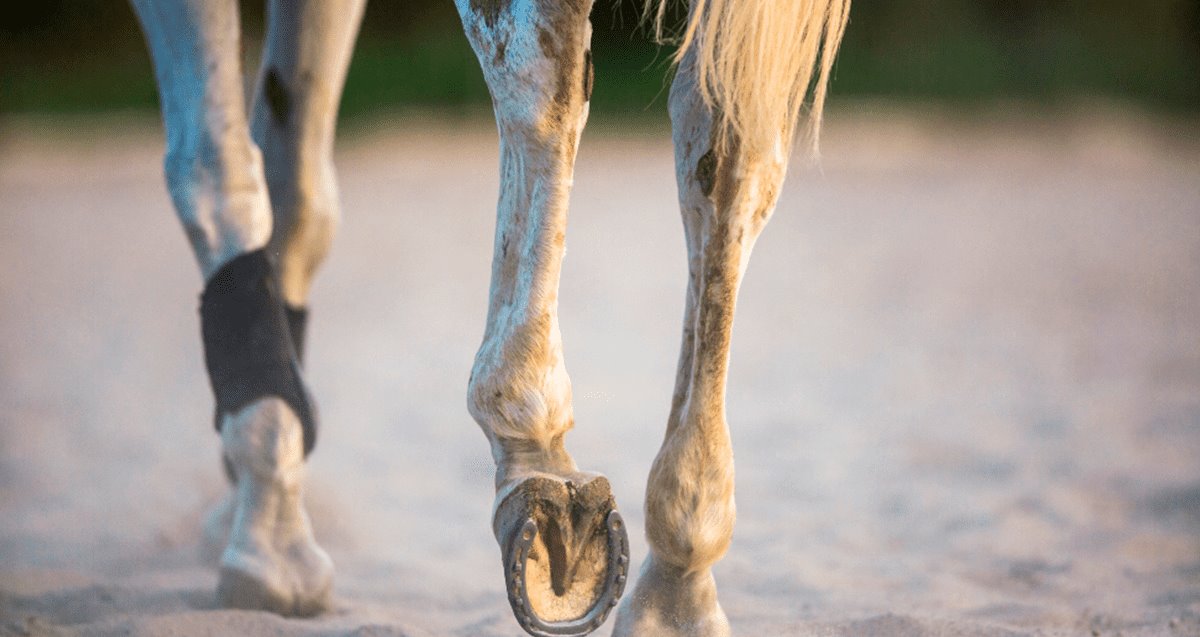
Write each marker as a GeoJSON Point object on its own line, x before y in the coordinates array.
{"type": "Point", "coordinates": [563, 544]}
{"type": "Point", "coordinates": [726, 195]}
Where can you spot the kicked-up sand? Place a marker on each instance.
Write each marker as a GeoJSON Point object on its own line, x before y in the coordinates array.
{"type": "Point", "coordinates": [965, 393]}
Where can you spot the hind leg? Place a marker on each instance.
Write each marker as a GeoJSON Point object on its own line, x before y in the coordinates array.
{"type": "Point", "coordinates": [726, 199]}
{"type": "Point", "coordinates": [294, 118]}
{"type": "Point", "coordinates": [563, 545]}
{"type": "Point", "coordinates": [293, 122]}
{"type": "Point", "coordinates": [215, 177]}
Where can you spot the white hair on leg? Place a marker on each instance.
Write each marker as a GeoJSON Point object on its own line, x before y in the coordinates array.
{"type": "Point", "coordinates": [745, 68]}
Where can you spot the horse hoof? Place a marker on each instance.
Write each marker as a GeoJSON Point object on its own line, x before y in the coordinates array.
{"type": "Point", "coordinates": [566, 553]}
{"type": "Point", "coordinates": [272, 561]}
{"type": "Point", "coordinates": [297, 588]}
{"type": "Point", "coordinates": [669, 601]}
{"type": "Point", "coordinates": [237, 588]}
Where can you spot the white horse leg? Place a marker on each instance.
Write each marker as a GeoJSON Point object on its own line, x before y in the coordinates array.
{"type": "Point", "coordinates": [563, 544]}
{"type": "Point", "coordinates": [213, 170]}
{"type": "Point", "coordinates": [215, 177]}
{"type": "Point", "coordinates": [726, 200]}
{"type": "Point", "coordinates": [294, 118]}
{"type": "Point", "coordinates": [307, 54]}
{"type": "Point", "coordinates": [308, 49]}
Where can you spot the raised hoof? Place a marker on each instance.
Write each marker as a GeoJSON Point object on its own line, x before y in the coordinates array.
{"type": "Point", "coordinates": [566, 554]}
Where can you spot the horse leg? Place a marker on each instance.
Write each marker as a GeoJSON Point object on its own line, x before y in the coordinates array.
{"type": "Point", "coordinates": [307, 54]}
{"type": "Point", "coordinates": [215, 176]}
{"type": "Point", "coordinates": [563, 545]}
{"type": "Point", "coordinates": [293, 122]}
{"type": "Point", "coordinates": [726, 199]}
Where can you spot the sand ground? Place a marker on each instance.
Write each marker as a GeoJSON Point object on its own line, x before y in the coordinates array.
{"type": "Point", "coordinates": [965, 395]}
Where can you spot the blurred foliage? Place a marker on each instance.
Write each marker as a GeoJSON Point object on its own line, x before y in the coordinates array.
{"type": "Point", "coordinates": [88, 55]}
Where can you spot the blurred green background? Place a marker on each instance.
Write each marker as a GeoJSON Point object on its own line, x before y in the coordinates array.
{"type": "Point", "coordinates": [87, 56]}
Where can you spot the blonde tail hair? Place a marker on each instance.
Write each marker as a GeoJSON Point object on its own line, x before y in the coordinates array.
{"type": "Point", "coordinates": [756, 63]}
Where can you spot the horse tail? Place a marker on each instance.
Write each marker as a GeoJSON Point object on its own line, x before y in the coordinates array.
{"type": "Point", "coordinates": [757, 62]}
